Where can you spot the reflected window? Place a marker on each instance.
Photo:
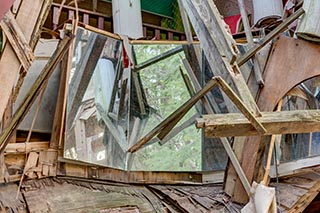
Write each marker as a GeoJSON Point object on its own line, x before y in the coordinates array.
{"type": "Point", "coordinates": [111, 105]}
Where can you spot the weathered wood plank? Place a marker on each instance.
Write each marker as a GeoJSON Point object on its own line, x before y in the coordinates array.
{"type": "Point", "coordinates": [48, 162]}
{"type": "Point", "coordinates": [285, 122]}
{"type": "Point", "coordinates": [306, 199]}
{"type": "Point", "coordinates": [17, 40]}
{"type": "Point", "coordinates": [78, 169]}
{"type": "Point", "coordinates": [219, 47]}
{"type": "Point", "coordinates": [286, 56]}
{"type": "Point", "coordinates": [308, 27]}
{"type": "Point", "coordinates": [28, 18]}
{"type": "Point", "coordinates": [244, 58]}
{"type": "Point", "coordinates": [34, 91]}
{"type": "Point", "coordinates": [289, 195]}
{"type": "Point", "coordinates": [247, 29]}
{"type": "Point", "coordinates": [59, 110]}
{"type": "Point", "coordinates": [30, 165]}
{"type": "Point", "coordinates": [21, 148]}
{"type": "Point", "coordinates": [9, 200]}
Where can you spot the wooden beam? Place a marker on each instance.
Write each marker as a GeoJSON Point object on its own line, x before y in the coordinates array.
{"type": "Point", "coordinates": [208, 14]}
{"type": "Point", "coordinates": [285, 122]}
{"type": "Point", "coordinates": [58, 114]}
{"type": "Point", "coordinates": [190, 50]}
{"type": "Point", "coordinates": [178, 129]}
{"type": "Point", "coordinates": [241, 106]}
{"type": "Point", "coordinates": [244, 58]}
{"type": "Point", "coordinates": [23, 148]}
{"type": "Point", "coordinates": [72, 168]}
{"type": "Point", "coordinates": [17, 40]}
{"type": "Point", "coordinates": [220, 48]}
{"type": "Point", "coordinates": [34, 91]}
{"type": "Point", "coordinates": [30, 17]}
{"type": "Point", "coordinates": [306, 199]}
{"type": "Point", "coordinates": [180, 111]}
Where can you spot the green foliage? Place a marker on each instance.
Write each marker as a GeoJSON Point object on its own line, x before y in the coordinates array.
{"type": "Point", "coordinates": [165, 91]}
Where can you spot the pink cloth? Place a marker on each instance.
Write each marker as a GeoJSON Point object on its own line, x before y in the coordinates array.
{"type": "Point", "coordinates": [5, 6]}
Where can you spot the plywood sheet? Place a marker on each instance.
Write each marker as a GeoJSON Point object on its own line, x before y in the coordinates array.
{"type": "Point", "coordinates": [292, 62]}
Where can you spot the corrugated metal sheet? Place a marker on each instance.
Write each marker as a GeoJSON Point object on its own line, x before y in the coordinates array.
{"type": "Point", "coordinates": [5, 6]}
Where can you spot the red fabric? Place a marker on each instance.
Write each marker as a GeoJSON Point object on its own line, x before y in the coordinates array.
{"type": "Point", "coordinates": [233, 22]}
{"type": "Point", "coordinates": [126, 61]}
{"type": "Point", "coordinates": [5, 6]}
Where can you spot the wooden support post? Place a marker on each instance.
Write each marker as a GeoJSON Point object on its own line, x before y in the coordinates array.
{"type": "Point", "coordinates": [101, 23]}
{"type": "Point", "coordinates": [271, 146]}
{"type": "Point", "coordinates": [4, 175]}
{"type": "Point", "coordinates": [12, 139]}
{"type": "Point", "coordinates": [17, 40]}
{"type": "Point", "coordinates": [57, 121]}
{"type": "Point", "coordinates": [34, 91]}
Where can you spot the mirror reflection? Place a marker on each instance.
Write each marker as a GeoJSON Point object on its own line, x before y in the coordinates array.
{"type": "Point", "coordinates": [111, 104]}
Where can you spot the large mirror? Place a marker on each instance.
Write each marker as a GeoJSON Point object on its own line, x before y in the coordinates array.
{"type": "Point", "coordinates": [120, 92]}
{"type": "Point", "coordinates": [89, 125]}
